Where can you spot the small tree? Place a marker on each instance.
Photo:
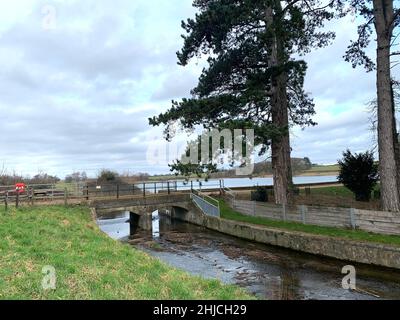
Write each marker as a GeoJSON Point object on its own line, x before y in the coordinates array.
{"type": "Point", "coordinates": [359, 173]}
{"type": "Point", "coordinates": [108, 176]}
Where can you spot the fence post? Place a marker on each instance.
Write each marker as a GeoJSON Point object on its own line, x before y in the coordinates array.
{"type": "Point", "coordinates": [133, 189]}
{"type": "Point", "coordinates": [87, 193]}
{"type": "Point", "coordinates": [353, 218]}
{"type": "Point", "coordinates": [254, 207]}
{"type": "Point", "coordinates": [220, 188]}
{"type": "Point", "coordinates": [117, 191]}
{"type": "Point", "coordinates": [303, 213]}
{"type": "Point", "coordinates": [17, 200]}
{"type": "Point", "coordinates": [191, 186]}
{"type": "Point", "coordinates": [32, 195]}
{"type": "Point", "coordinates": [155, 187]}
{"type": "Point", "coordinates": [144, 190]}
{"type": "Point", "coordinates": [65, 197]}
{"type": "Point", "coordinates": [6, 201]}
{"type": "Point", "coordinates": [284, 211]}
{"type": "Point", "coordinates": [169, 191]}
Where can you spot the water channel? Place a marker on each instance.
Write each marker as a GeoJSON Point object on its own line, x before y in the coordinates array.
{"type": "Point", "coordinates": [265, 271]}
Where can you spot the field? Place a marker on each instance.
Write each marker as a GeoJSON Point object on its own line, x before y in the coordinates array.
{"type": "Point", "coordinates": [322, 170]}
{"type": "Point", "coordinates": [88, 264]}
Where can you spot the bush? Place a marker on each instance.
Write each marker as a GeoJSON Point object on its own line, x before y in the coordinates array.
{"type": "Point", "coordinates": [359, 173]}
{"type": "Point", "coordinates": [108, 176]}
{"type": "Point", "coordinates": [261, 194]}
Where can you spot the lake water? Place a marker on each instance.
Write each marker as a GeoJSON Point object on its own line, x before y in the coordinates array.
{"type": "Point", "coordinates": [244, 182]}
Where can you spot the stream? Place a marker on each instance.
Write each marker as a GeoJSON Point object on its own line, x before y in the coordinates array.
{"type": "Point", "coordinates": [267, 272]}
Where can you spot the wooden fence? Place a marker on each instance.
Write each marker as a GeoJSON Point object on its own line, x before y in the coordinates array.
{"type": "Point", "coordinates": [371, 221]}
{"type": "Point", "coordinates": [71, 194]}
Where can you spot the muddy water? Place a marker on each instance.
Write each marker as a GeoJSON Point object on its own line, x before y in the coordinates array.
{"type": "Point", "coordinates": [265, 271]}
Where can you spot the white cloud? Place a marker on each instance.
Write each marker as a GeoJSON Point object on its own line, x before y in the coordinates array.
{"type": "Point", "coordinates": [77, 97]}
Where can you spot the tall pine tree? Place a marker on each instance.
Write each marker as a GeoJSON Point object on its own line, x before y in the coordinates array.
{"type": "Point", "coordinates": [382, 17]}
{"type": "Point", "coordinates": [253, 80]}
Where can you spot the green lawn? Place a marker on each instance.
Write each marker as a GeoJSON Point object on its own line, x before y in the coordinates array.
{"type": "Point", "coordinates": [331, 191]}
{"type": "Point", "coordinates": [88, 264]}
{"type": "Point", "coordinates": [229, 213]}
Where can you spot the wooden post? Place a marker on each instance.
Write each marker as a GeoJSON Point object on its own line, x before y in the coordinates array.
{"type": "Point", "coordinates": [155, 187]}
{"type": "Point", "coordinates": [17, 200]}
{"type": "Point", "coordinates": [284, 211]}
{"type": "Point", "coordinates": [169, 191]}
{"type": "Point", "coordinates": [144, 190]}
{"type": "Point", "coordinates": [32, 196]}
{"type": "Point", "coordinates": [220, 188]}
{"type": "Point", "coordinates": [87, 193]}
{"type": "Point", "coordinates": [191, 186]}
{"type": "Point", "coordinates": [176, 185]}
{"type": "Point", "coordinates": [303, 213]}
{"type": "Point", "coordinates": [6, 201]}
{"type": "Point", "coordinates": [65, 197]}
{"type": "Point", "coordinates": [353, 218]}
{"type": "Point", "coordinates": [133, 189]}
{"type": "Point", "coordinates": [117, 191]}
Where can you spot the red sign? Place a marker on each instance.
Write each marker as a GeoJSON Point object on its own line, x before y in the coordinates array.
{"type": "Point", "coordinates": [20, 187]}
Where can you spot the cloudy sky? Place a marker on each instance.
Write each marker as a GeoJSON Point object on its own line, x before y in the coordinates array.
{"type": "Point", "coordinates": [79, 79]}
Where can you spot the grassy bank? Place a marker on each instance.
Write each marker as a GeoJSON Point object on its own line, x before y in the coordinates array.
{"type": "Point", "coordinates": [88, 264]}
{"type": "Point", "coordinates": [229, 213]}
{"type": "Point", "coordinates": [334, 191]}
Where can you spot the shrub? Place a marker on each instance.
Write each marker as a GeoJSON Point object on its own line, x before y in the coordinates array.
{"type": "Point", "coordinates": [359, 173]}
{"type": "Point", "coordinates": [108, 176]}
{"type": "Point", "coordinates": [261, 194]}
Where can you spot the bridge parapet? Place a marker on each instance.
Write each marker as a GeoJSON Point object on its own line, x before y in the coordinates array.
{"type": "Point", "coordinates": [143, 205]}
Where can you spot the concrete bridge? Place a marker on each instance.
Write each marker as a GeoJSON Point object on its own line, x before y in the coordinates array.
{"type": "Point", "coordinates": [178, 205]}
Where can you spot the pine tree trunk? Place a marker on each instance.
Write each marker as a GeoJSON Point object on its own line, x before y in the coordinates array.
{"type": "Point", "coordinates": [280, 146]}
{"type": "Point", "coordinates": [396, 136]}
{"type": "Point", "coordinates": [280, 149]}
{"type": "Point", "coordinates": [383, 11]}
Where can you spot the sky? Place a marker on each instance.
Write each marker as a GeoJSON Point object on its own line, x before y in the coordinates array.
{"type": "Point", "coordinates": [79, 80]}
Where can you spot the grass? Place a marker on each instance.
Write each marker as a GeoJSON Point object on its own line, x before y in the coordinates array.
{"type": "Point", "coordinates": [319, 168]}
{"type": "Point", "coordinates": [331, 191]}
{"type": "Point", "coordinates": [88, 264]}
{"type": "Point", "coordinates": [229, 213]}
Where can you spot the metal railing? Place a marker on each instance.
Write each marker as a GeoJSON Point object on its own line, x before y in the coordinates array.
{"type": "Point", "coordinates": [229, 195]}
{"type": "Point", "coordinates": [205, 204]}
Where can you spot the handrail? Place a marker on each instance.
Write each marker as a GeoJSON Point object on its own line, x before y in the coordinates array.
{"type": "Point", "coordinates": [206, 206]}
{"type": "Point", "coordinates": [229, 191]}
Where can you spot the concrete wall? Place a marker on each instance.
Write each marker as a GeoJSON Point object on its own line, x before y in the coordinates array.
{"type": "Point", "coordinates": [348, 250]}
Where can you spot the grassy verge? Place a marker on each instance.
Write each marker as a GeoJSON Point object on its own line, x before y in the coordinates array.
{"type": "Point", "coordinates": [88, 264]}
{"type": "Point", "coordinates": [333, 191]}
{"type": "Point", "coordinates": [229, 213]}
